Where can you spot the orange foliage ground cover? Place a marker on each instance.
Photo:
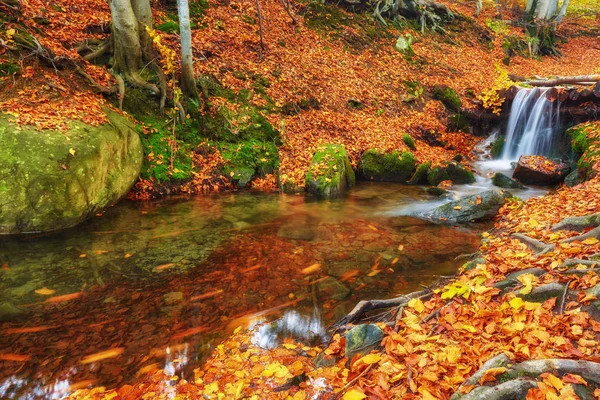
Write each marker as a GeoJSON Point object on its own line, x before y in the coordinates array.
{"type": "Point", "coordinates": [300, 63]}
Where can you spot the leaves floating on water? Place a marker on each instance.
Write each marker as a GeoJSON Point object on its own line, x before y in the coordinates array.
{"type": "Point", "coordinates": [64, 297]}
{"type": "Point", "coordinates": [103, 355]}
{"type": "Point", "coordinates": [14, 357]}
{"type": "Point", "coordinates": [162, 267]}
{"type": "Point", "coordinates": [45, 291]}
{"type": "Point", "coordinates": [311, 269]}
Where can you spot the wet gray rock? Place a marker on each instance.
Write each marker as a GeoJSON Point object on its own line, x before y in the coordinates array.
{"type": "Point", "coordinates": [528, 172]}
{"type": "Point", "coordinates": [362, 339]}
{"type": "Point", "coordinates": [505, 182]}
{"type": "Point", "coordinates": [472, 208]}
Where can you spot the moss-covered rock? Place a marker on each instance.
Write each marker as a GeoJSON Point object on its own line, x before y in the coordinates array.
{"type": "Point", "coordinates": [408, 141]}
{"type": "Point", "coordinates": [51, 180]}
{"type": "Point", "coordinates": [585, 142]}
{"type": "Point", "coordinates": [447, 96]}
{"type": "Point", "coordinates": [392, 167]}
{"type": "Point", "coordinates": [330, 172]}
{"type": "Point", "coordinates": [420, 175]}
{"type": "Point", "coordinates": [249, 159]}
{"type": "Point", "coordinates": [498, 146]}
{"type": "Point", "coordinates": [459, 174]}
{"type": "Point", "coordinates": [504, 181]}
{"type": "Point", "coordinates": [436, 175]}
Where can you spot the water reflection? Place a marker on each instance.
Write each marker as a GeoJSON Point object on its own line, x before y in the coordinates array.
{"type": "Point", "coordinates": [166, 281]}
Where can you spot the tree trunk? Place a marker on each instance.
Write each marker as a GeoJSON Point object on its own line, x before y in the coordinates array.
{"type": "Point", "coordinates": [188, 83]}
{"type": "Point", "coordinates": [126, 39]}
{"type": "Point", "coordinates": [143, 14]}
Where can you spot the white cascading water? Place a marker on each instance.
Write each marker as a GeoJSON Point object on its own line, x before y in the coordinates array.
{"type": "Point", "coordinates": [532, 125]}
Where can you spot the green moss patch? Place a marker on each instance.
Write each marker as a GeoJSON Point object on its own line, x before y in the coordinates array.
{"type": "Point", "coordinates": [585, 142]}
{"type": "Point", "coordinates": [245, 161]}
{"type": "Point", "coordinates": [388, 167]}
{"type": "Point", "coordinates": [330, 172]}
{"type": "Point", "coordinates": [447, 96]}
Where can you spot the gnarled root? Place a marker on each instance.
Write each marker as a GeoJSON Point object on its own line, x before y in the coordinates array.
{"type": "Point", "coordinates": [534, 245]}
{"type": "Point", "coordinates": [364, 306]}
{"type": "Point", "coordinates": [577, 223]}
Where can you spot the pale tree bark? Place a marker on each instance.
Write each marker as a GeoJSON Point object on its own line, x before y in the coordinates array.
{"type": "Point", "coordinates": [188, 83]}
{"type": "Point", "coordinates": [128, 51]}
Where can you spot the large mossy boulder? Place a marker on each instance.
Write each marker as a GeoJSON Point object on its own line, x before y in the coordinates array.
{"type": "Point", "coordinates": [541, 171]}
{"type": "Point", "coordinates": [52, 180]}
{"type": "Point", "coordinates": [330, 172]}
{"type": "Point", "coordinates": [387, 167]}
{"type": "Point", "coordinates": [473, 208]}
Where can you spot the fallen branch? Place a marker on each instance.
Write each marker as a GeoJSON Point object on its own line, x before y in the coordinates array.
{"type": "Point", "coordinates": [364, 306]}
{"type": "Point", "coordinates": [534, 245]}
{"type": "Point", "coordinates": [563, 80]}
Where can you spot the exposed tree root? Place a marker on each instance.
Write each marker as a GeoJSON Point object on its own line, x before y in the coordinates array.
{"type": "Point", "coordinates": [534, 245]}
{"type": "Point", "coordinates": [517, 386]}
{"type": "Point", "coordinates": [570, 262]}
{"type": "Point", "coordinates": [97, 87]}
{"type": "Point", "coordinates": [100, 51]}
{"type": "Point", "coordinates": [543, 292]}
{"type": "Point", "coordinates": [594, 233]}
{"type": "Point", "coordinates": [364, 306]}
{"type": "Point", "coordinates": [577, 223]}
{"type": "Point", "coordinates": [513, 389]}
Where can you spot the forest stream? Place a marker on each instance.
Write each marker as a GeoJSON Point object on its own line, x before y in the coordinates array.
{"type": "Point", "coordinates": [161, 283]}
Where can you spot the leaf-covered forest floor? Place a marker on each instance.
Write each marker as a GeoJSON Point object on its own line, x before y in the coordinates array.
{"type": "Point", "coordinates": [335, 77]}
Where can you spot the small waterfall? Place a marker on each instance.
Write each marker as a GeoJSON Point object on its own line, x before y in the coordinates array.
{"type": "Point", "coordinates": [532, 124]}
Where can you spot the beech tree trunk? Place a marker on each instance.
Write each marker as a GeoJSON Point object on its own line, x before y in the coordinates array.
{"type": "Point", "coordinates": [188, 83]}
{"type": "Point", "coordinates": [127, 40]}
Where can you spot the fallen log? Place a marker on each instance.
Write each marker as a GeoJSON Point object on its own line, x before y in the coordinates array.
{"type": "Point", "coordinates": [562, 80]}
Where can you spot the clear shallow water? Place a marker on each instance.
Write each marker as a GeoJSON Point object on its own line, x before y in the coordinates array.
{"type": "Point", "coordinates": [159, 284]}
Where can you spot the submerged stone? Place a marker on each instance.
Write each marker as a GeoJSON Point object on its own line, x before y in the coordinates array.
{"type": "Point", "coordinates": [330, 172]}
{"type": "Point", "coordinates": [52, 180]}
{"type": "Point", "coordinates": [362, 339]}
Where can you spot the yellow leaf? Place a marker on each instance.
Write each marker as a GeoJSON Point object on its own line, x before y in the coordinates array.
{"type": "Point", "coordinates": [427, 395]}
{"type": "Point", "coordinates": [417, 304]}
{"type": "Point", "coordinates": [516, 303]}
{"type": "Point", "coordinates": [354, 394]}
{"type": "Point", "coordinates": [371, 359]}
{"type": "Point", "coordinates": [452, 353]}
{"type": "Point", "coordinates": [45, 291]}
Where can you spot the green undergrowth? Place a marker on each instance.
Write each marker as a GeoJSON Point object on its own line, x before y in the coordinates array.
{"type": "Point", "coordinates": [239, 129]}
{"type": "Point", "coordinates": [247, 160]}
{"type": "Point", "coordinates": [585, 142]}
